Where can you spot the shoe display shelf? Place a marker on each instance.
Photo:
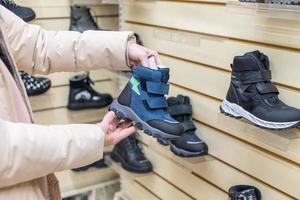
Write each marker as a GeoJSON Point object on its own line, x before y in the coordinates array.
{"type": "Point", "coordinates": [276, 11]}
{"type": "Point", "coordinates": [55, 14]}
{"type": "Point", "coordinates": [198, 41]}
{"type": "Point", "coordinates": [91, 182]}
{"type": "Point", "coordinates": [54, 102]}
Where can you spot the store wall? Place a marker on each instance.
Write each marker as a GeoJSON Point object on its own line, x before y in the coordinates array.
{"type": "Point", "coordinates": [198, 40]}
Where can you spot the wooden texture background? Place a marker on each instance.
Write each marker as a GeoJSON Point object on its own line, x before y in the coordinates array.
{"type": "Point", "coordinates": [197, 40]}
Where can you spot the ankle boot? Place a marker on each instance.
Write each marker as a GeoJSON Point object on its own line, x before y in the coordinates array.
{"type": "Point", "coordinates": [82, 20]}
{"type": "Point", "coordinates": [35, 85]}
{"type": "Point", "coordinates": [244, 192]}
{"type": "Point", "coordinates": [25, 13]}
{"type": "Point", "coordinates": [143, 102]}
{"type": "Point", "coordinates": [83, 96]}
{"type": "Point", "coordinates": [253, 96]}
{"type": "Point", "coordinates": [131, 156]}
{"type": "Point", "coordinates": [189, 144]}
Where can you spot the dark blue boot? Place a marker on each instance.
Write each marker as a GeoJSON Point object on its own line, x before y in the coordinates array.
{"type": "Point", "coordinates": [143, 101]}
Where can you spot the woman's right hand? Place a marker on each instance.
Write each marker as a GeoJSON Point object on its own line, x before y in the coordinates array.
{"type": "Point", "coordinates": [114, 130]}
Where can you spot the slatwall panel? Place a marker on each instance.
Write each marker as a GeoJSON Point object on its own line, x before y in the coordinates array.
{"type": "Point", "coordinates": [198, 40]}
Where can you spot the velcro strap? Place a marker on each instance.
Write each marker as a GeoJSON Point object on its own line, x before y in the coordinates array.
{"type": "Point", "coordinates": [184, 109]}
{"type": "Point", "coordinates": [252, 77]}
{"type": "Point", "coordinates": [188, 126]}
{"type": "Point", "coordinates": [157, 88]}
{"type": "Point", "coordinates": [266, 88]}
{"type": "Point", "coordinates": [157, 102]}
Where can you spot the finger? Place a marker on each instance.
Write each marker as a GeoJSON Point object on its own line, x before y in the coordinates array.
{"type": "Point", "coordinates": [144, 61]}
{"type": "Point", "coordinates": [157, 58]}
{"type": "Point", "coordinates": [124, 133]}
{"type": "Point", "coordinates": [109, 117]}
{"type": "Point", "coordinates": [126, 124]}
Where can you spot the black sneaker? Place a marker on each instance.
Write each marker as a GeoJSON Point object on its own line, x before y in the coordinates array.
{"type": "Point", "coordinates": [131, 156]}
{"type": "Point", "coordinates": [189, 144]}
{"type": "Point", "coordinates": [98, 165]}
{"type": "Point", "coordinates": [83, 96]}
{"type": "Point", "coordinates": [27, 14]}
{"type": "Point", "coordinates": [244, 192]}
{"type": "Point", "coordinates": [82, 20]}
{"type": "Point", "coordinates": [35, 85]}
{"type": "Point", "coordinates": [138, 39]}
{"type": "Point", "coordinates": [252, 95]}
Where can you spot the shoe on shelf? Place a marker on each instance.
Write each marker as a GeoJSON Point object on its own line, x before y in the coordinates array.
{"type": "Point", "coordinates": [189, 144]}
{"type": "Point", "coordinates": [253, 96]}
{"type": "Point", "coordinates": [280, 2]}
{"type": "Point", "coordinates": [83, 96]}
{"type": "Point", "coordinates": [129, 153]}
{"type": "Point", "coordinates": [138, 39]}
{"type": "Point", "coordinates": [244, 192]}
{"type": "Point", "coordinates": [98, 165]}
{"type": "Point", "coordinates": [25, 13]}
{"type": "Point", "coordinates": [35, 85]}
{"type": "Point", "coordinates": [82, 19]}
{"type": "Point", "coordinates": [143, 102]}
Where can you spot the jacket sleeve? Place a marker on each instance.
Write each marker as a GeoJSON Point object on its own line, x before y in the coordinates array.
{"type": "Point", "coordinates": [36, 50]}
{"type": "Point", "coordinates": [29, 151]}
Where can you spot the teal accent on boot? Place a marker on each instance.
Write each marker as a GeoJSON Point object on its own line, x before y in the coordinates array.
{"type": "Point", "coordinates": [135, 83]}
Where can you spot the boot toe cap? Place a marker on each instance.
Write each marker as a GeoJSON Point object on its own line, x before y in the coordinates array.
{"type": "Point", "coordinates": [171, 128]}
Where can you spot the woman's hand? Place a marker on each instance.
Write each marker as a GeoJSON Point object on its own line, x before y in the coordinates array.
{"type": "Point", "coordinates": [138, 54]}
{"type": "Point", "coordinates": [114, 129]}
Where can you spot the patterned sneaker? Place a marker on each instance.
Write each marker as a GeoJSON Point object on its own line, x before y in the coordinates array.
{"type": "Point", "coordinates": [35, 85]}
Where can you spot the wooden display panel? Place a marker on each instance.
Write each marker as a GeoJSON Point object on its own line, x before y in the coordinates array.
{"type": "Point", "coordinates": [58, 97]}
{"type": "Point", "coordinates": [70, 181]}
{"type": "Point", "coordinates": [62, 78]}
{"type": "Point", "coordinates": [161, 188]}
{"type": "Point", "coordinates": [218, 52]}
{"type": "Point", "coordinates": [210, 169]}
{"type": "Point", "coordinates": [183, 179]}
{"type": "Point", "coordinates": [215, 19]}
{"type": "Point", "coordinates": [259, 164]}
{"type": "Point", "coordinates": [65, 116]}
{"type": "Point", "coordinates": [136, 192]}
{"type": "Point", "coordinates": [108, 23]}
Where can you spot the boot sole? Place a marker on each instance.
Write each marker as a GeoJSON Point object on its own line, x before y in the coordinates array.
{"type": "Point", "coordinates": [237, 112]}
{"type": "Point", "coordinates": [124, 112]}
{"type": "Point", "coordinates": [184, 153]}
{"type": "Point", "coordinates": [119, 159]}
{"type": "Point", "coordinates": [87, 106]}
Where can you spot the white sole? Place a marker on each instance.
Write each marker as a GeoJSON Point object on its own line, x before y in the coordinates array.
{"type": "Point", "coordinates": [237, 111]}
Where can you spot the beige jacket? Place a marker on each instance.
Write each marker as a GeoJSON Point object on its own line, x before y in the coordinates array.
{"type": "Point", "coordinates": [29, 153]}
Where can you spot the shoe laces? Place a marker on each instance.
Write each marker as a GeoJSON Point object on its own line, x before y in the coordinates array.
{"type": "Point", "coordinates": [131, 143]}
{"type": "Point", "coordinates": [9, 3]}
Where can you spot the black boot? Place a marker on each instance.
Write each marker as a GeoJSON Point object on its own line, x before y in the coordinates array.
{"type": "Point", "coordinates": [131, 156]}
{"type": "Point", "coordinates": [82, 20]}
{"type": "Point", "coordinates": [98, 165]}
{"type": "Point", "coordinates": [83, 96]}
{"type": "Point", "coordinates": [138, 39]}
{"type": "Point", "coordinates": [27, 14]}
{"type": "Point", "coordinates": [35, 85]}
{"type": "Point", "coordinates": [189, 144]}
{"type": "Point", "coordinates": [244, 192]}
{"type": "Point", "coordinates": [252, 95]}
